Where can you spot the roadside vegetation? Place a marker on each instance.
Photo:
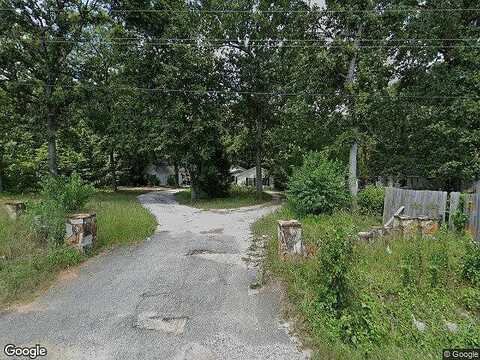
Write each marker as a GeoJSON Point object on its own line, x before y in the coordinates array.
{"type": "Point", "coordinates": [32, 252]}
{"type": "Point", "coordinates": [237, 197]}
{"type": "Point", "coordinates": [395, 298]}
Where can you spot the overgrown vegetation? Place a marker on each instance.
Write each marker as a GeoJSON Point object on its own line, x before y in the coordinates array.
{"type": "Point", "coordinates": [28, 262]}
{"type": "Point", "coordinates": [370, 200]}
{"type": "Point", "coordinates": [236, 197]}
{"type": "Point", "coordinates": [318, 186]}
{"type": "Point", "coordinates": [364, 301]}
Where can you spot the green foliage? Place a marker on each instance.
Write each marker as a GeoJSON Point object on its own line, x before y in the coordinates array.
{"type": "Point", "coordinates": [460, 217]}
{"type": "Point", "coordinates": [27, 264]}
{"type": "Point", "coordinates": [371, 200]}
{"type": "Point", "coordinates": [387, 287]}
{"type": "Point", "coordinates": [152, 180]}
{"type": "Point", "coordinates": [471, 263]}
{"type": "Point", "coordinates": [334, 263]}
{"type": "Point", "coordinates": [318, 186]}
{"type": "Point", "coordinates": [47, 222]}
{"type": "Point", "coordinates": [67, 193]}
{"type": "Point", "coordinates": [60, 196]}
{"type": "Point", "coordinates": [211, 175]}
{"type": "Point", "coordinates": [471, 299]}
{"type": "Point", "coordinates": [171, 181]}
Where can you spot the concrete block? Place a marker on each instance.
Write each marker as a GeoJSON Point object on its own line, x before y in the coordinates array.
{"type": "Point", "coordinates": [14, 208]}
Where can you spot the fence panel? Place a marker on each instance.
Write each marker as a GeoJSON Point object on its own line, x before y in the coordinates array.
{"type": "Point", "coordinates": [472, 208]}
{"type": "Point", "coordinates": [416, 203]}
{"type": "Point", "coordinates": [454, 203]}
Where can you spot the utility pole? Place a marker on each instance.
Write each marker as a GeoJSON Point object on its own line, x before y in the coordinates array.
{"type": "Point", "coordinates": [352, 168]}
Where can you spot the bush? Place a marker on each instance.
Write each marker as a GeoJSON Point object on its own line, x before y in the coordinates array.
{"type": "Point", "coordinates": [471, 299]}
{"type": "Point", "coordinates": [318, 186]}
{"type": "Point", "coordinates": [471, 263]}
{"type": "Point", "coordinates": [47, 222]}
{"type": "Point", "coordinates": [460, 218]}
{"type": "Point", "coordinates": [211, 176]}
{"type": "Point", "coordinates": [68, 193]}
{"type": "Point", "coordinates": [371, 200]}
{"type": "Point", "coordinates": [335, 261]}
{"type": "Point", "coordinates": [61, 196]}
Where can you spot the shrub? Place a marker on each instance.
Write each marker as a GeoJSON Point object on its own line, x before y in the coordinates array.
{"type": "Point", "coordinates": [460, 218]}
{"type": "Point", "coordinates": [171, 180]}
{"type": "Point", "coordinates": [318, 186]}
{"type": "Point", "coordinates": [61, 196]}
{"type": "Point", "coordinates": [335, 261]}
{"type": "Point", "coordinates": [471, 299]}
{"type": "Point", "coordinates": [471, 263]}
{"type": "Point", "coordinates": [371, 200]}
{"type": "Point", "coordinates": [68, 193]}
{"type": "Point", "coordinates": [47, 222]}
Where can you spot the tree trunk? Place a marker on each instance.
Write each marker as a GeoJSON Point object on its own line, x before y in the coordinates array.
{"type": "Point", "coordinates": [352, 174]}
{"type": "Point", "coordinates": [1, 179]}
{"type": "Point", "coordinates": [258, 156]}
{"type": "Point", "coordinates": [51, 135]}
{"type": "Point", "coordinates": [177, 175]}
{"type": "Point", "coordinates": [113, 170]}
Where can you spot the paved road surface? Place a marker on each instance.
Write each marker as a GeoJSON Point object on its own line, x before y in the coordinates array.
{"type": "Point", "coordinates": [182, 294]}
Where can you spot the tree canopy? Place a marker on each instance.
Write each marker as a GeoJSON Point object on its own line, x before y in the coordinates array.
{"type": "Point", "coordinates": [106, 88]}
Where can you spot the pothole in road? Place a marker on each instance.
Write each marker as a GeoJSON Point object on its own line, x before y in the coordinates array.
{"type": "Point", "coordinates": [169, 325]}
{"type": "Point", "coordinates": [213, 231]}
{"type": "Point", "coordinates": [219, 257]}
{"type": "Point", "coordinates": [200, 251]}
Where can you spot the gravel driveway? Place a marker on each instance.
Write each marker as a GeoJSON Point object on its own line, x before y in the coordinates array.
{"type": "Point", "coordinates": [182, 294]}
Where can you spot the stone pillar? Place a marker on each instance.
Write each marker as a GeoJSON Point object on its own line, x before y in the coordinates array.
{"type": "Point", "coordinates": [14, 208]}
{"type": "Point", "coordinates": [81, 231]}
{"type": "Point", "coordinates": [290, 238]}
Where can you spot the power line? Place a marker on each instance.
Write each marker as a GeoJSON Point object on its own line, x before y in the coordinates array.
{"type": "Point", "coordinates": [184, 40]}
{"type": "Point", "coordinates": [272, 11]}
{"type": "Point", "coordinates": [273, 45]}
{"type": "Point", "coordinates": [259, 93]}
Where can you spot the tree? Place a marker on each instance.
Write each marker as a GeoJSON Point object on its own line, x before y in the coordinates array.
{"type": "Point", "coordinates": [36, 57]}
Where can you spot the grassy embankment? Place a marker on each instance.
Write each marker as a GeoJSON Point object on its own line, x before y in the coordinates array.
{"type": "Point", "coordinates": [390, 287]}
{"type": "Point", "coordinates": [26, 265]}
{"type": "Point", "coordinates": [238, 197]}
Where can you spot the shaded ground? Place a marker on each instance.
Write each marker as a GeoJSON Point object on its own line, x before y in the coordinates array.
{"type": "Point", "coordinates": [183, 294]}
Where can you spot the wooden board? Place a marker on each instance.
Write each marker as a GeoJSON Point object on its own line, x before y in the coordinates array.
{"type": "Point", "coordinates": [416, 202]}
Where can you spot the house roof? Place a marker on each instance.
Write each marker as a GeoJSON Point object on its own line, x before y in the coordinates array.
{"type": "Point", "coordinates": [236, 170]}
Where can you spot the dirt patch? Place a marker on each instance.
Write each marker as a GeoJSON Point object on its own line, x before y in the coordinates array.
{"type": "Point", "coordinates": [68, 275]}
{"type": "Point", "coordinates": [28, 308]}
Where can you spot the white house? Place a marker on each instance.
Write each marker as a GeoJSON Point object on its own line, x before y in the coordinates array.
{"type": "Point", "coordinates": [249, 177]}
{"type": "Point", "coordinates": [162, 171]}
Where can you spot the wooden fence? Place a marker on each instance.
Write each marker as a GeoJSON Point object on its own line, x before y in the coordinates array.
{"type": "Point", "coordinates": [471, 208]}
{"type": "Point", "coordinates": [416, 203]}
{"type": "Point", "coordinates": [433, 204]}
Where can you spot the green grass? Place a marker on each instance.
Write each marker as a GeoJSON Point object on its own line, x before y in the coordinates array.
{"type": "Point", "coordinates": [27, 266]}
{"type": "Point", "coordinates": [238, 197]}
{"type": "Point", "coordinates": [389, 281]}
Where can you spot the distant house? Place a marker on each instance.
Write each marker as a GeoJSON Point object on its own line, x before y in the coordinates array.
{"type": "Point", "coordinates": [249, 177]}
{"type": "Point", "coordinates": [165, 174]}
